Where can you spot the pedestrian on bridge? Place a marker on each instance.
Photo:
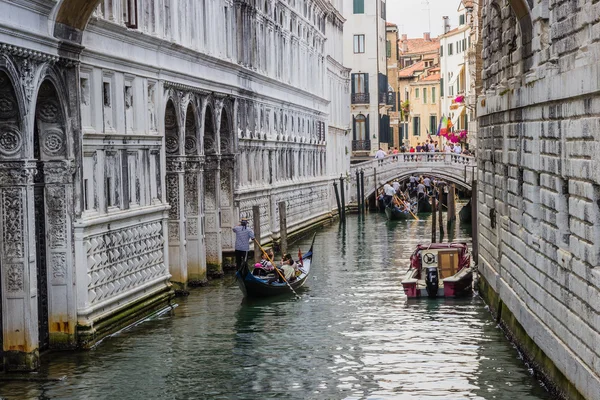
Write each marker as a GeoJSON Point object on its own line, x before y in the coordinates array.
{"type": "Point", "coordinates": [380, 155]}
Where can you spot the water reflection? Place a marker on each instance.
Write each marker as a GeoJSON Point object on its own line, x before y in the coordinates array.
{"type": "Point", "coordinates": [352, 335]}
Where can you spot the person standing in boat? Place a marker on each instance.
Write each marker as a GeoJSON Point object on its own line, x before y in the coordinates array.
{"type": "Point", "coordinates": [243, 235]}
{"type": "Point", "coordinates": [420, 190]}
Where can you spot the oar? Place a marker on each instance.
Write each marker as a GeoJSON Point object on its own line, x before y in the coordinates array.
{"type": "Point", "coordinates": [276, 269]}
{"type": "Point", "coordinates": [407, 207]}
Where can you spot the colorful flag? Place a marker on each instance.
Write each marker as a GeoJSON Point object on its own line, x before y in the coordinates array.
{"type": "Point", "coordinates": [443, 126]}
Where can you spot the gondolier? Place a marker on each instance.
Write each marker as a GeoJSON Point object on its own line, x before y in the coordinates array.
{"type": "Point", "coordinates": [243, 235]}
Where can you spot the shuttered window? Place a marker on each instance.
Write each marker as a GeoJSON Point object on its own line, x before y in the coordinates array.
{"type": "Point", "coordinates": [359, 6]}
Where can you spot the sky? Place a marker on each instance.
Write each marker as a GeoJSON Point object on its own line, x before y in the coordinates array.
{"type": "Point", "coordinates": [411, 15]}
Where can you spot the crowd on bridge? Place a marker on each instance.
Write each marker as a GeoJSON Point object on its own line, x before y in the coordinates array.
{"type": "Point", "coordinates": [425, 147]}
{"type": "Point", "coordinates": [405, 196]}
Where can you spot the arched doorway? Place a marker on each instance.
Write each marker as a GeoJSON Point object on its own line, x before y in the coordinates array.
{"type": "Point", "coordinates": [196, 258]}
{"type": "Point", "coordinates": [174, 183]}
{"type": "Point", "coordinates": [51, 185]}
{"type": "Point", "coordinates": [227, 176]}
{"type": "Point", "coordinates": [212, 214]}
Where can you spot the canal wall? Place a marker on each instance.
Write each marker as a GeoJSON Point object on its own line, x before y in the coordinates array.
{"type": "Point", "coordinates": [539, 185]}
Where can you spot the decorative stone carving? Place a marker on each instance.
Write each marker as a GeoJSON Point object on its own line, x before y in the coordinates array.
{"type": "Point", "coordinates": [173, 196]}
{"type": "Point", "coordinates": [12, 204]}
{"type": "Point", "coordinates": [191, 144]}
{"type": "Point", "coordinates": [172, 143]}
{"type": "Point", "coordinates": [27, 69]}
{"type": "Point", "coordinates": [48, 111]}
{"type": "Point", "coordinates": [10, 141]}
{"type": "Point", "coordinates": [56, 213]}
{"type": "Point", "coordinates": [53, 142]}
{"type": "Point", "coordinates": [123, 259]}
{"type": "Point", "coordinates": [58, 265]}
{"type": "Point", "coordinates": [14, 275]}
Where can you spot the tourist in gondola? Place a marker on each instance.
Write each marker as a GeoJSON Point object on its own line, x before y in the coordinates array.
{"type": "Point", "coordinates": [420, 190]}
{"type": "Point", "coordinates": [243, 235]}
{"type": "Point", "coordinates": [389, 193]}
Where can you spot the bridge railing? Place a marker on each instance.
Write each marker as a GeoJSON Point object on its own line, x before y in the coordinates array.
{"type": "Point", "coordinates": [425, 158]}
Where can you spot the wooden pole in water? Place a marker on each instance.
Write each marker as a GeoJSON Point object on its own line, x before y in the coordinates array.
{"type": "Point", "coordinates": [375, 183]}
{"type": "Point", "coordinates": [474, 221]}
{"type": "Point", "coordinates": [337, 198]}
{"type": "Point", "coordinates": [256, 222]}
{"type": "Point", "coordinates": [451, 203]}
{"type": "Point", "coordinates": [358, 191]}
{"type": "Point", "coordinates": [440, 214]}
{"type": "Point", "coordinates": [433, 220]}
{"type": "Point", "coordinates": [362, 190]}
{"type": "Point", "coordinates": [282, 228]}
{"type": "Point", "coordinates": [342, 194]}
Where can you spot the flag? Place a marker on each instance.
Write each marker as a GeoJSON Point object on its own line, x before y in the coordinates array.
{"type": "Point", "coordinates": [443, 126]}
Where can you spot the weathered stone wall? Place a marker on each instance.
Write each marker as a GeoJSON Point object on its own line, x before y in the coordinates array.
{"type": "Point", "coordinates": [539, 181]}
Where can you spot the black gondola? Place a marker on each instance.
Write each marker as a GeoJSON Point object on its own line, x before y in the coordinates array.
{"type": "Point", "coordinates": [266, 286]}
{"type": "Point", "coordinates": [394, 214]}
{"type": "Point", "coordinates": [423, 205]}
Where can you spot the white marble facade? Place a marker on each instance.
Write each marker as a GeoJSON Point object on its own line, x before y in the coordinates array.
{"type": "Point", "coordinates": [131, 143]}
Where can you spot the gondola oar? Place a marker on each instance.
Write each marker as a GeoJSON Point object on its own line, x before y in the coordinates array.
{"type": "Point", "coordinates": [276, 269]}
{"type": "Point", "coordinates": [407, 206]}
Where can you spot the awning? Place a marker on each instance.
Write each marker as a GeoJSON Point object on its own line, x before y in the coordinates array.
{"type": "Point", "coordinates": [455, 76]}
{"type": "Point", "coordinates": [457, 115]}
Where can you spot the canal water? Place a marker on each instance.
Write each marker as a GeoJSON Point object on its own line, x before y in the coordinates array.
{"type": "Point", "coordinates": [352, 335]}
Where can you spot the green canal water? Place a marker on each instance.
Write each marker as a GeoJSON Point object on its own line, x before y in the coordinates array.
{"type": "Point", "coordinates": [352, 335]}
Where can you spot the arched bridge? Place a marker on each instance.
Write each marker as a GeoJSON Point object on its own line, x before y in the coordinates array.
{"type": "Point", "coordinates": [458, 169]}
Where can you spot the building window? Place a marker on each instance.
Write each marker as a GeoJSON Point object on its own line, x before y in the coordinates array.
{"type": "Point", "coordinates": [461, 19]}
{"type": "Point", "coordinates": [359, 43]}
{"type": "Point", "coordinates": [360, 83]}
{"type": "Point", "coordinates": [441, 51]}
{"type": "Point", "coordinates": [450, 49]}
{"type": "Point", "coordinates": [433, 124]}
{"type": "Point", "coordinates": [360, 127]}
{"type": "Point", "coordinates": [383, 10]}
{"type": "Point", "coordinates": [416, 93]}
{"type": "Point", "coordinates": [441, 87]}
{"type": "Point", "coordinates": [416, 126]}
{"type": "Point", "coordinates": [130, 13]}
{"type": "Point", "coordinates": [433, 95]}
{"type": "Point", "coordinates": [359, 6]}
{"type": "Point", "coordinates": [424, 95]}
{"type": "Point", "coordinates": [388, 48]}
{"type": "Point", "coordinates": [464, 44]}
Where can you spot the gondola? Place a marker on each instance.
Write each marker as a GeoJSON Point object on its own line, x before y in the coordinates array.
{"type": "Point", "coordinates": [423, 205]}
{"type": "Point", "coordinates": [258, 286]}
{"type": "Point", "coordinates": [395, 214]}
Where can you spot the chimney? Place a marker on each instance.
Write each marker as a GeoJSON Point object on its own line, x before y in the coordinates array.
{"type": "Point", "coordinates": [446, 24]}
{"type": "Point", "coordinates": [427, 36]}
{"type": "Point", "coordinates": [404, 37]}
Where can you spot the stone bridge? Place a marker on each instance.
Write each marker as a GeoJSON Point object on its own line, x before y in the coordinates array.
{"type": "Point", "coordinates": [458, 169]}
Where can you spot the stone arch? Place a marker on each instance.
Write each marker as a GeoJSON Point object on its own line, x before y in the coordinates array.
{"type": "Point", "coordinates": [12, 112]}
{"type": "Point", "coordinates": [210, 133]}
{"type": "Point", "coordinates": [50, 148]}
{"type": "Point", "coordinates": [192, 145]}
{"type": "Point", "coordinates": [226, 132]}
{"type": "Point", "coordinates": [172, 145]}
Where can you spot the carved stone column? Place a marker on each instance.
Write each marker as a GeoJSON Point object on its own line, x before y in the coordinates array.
{"type": "Point", "coordinates": [226, 202]}
{"type": "Point", "coordinates": [19, 283]}
{"type": "Point", "coordinates": [212, 215]}
{"type": "Point", "coordinates": [177, 230]}
{"type": "Point", "coordinates": [196, 257]}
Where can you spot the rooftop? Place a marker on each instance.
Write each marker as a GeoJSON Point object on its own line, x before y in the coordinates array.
{"type": "Point", "coordinates": [409, 71]}
{"type": "Point", "coordinates": [432, 77]}
{"type": "Point", "coordinates": [420, 45]}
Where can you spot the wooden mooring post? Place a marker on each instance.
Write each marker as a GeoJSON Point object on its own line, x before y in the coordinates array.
{"type": "Point", "coordinates": [451, 203]}
{"type": "Point", "coordinates": [337, 198]}
{"type": "Point", "coordinates": [441, 214]}
{"type": "Point", "coordinates": [343, 197]}
{"type": "Point", "coordinates": [358, 191]}
{"type": "Point", "coordinates": [282, 228]}
{"type": "Point", "coordinates": [362, 190]}
{"type": "Point", "coordinates": [433, 220]}
{"type": "Point", "coordinates": [256, 223]}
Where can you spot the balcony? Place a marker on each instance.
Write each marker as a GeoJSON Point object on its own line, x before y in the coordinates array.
{"type": "Point", "coordinates": [361, 98]}
{"type": "Point", "coordinates": [361, 145]}
{"type": "Point", "coordinates": [387, 98]}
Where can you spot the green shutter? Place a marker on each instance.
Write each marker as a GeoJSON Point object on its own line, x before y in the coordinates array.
{"type": "Point", "coordinates": [433, 95]}
{"type": "Point", "coordinates": [388, 45]}
{"type": "Point", "coordinates": [424, 95]}
{"type": "Point", "coordinates": [359, 6]}
{"type": "Point", "coordinates": [441, 87]}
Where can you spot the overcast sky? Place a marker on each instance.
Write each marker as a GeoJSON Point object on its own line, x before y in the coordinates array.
{"type": "Point", "coordinates": [411, 16]}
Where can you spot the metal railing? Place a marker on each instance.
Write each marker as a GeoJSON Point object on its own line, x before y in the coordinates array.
{"type": "Point", "coordinates": [360, 98]}
{"type": "Point", "coordinates": [358, 145]}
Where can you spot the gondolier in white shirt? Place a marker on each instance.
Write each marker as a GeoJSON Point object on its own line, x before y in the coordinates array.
{"type": "Point", "coordinates": [243, 235]}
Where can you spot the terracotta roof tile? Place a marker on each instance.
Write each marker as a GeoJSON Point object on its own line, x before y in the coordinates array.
{"type": "Point", "coordinates": [432, 77]}
{"type": "Point", "coordinates": [420, 45]}
{"type": "Point", "coordinates": [411, 69]}
{"type": "Point", "coordinates": [390, 24]}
